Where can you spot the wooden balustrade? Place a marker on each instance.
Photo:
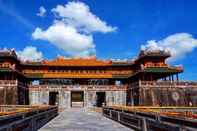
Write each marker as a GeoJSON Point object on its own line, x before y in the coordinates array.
{"type": "Point", "coordinates": [180, 68]}
{"type": "Point", "coordinates": [80, 87]}
{"type": "Point", "coordinates": [168, 83]}
{"type": "Point", "coordinates": [155, 65]}
{"type": "Point", "coordinates": [75, 72]}
{"type": "Point", "coordinates": [8, 82]}
{"type": "Point", "coordinates": [5, 65]}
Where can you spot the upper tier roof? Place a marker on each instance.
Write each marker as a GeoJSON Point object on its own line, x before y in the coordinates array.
{"type": "Point", "coordinates": [88, 61]}
{"type": "Point", "coordinates": [8, 53]}
{"type": "Point", "coordinates": [154, 53]}
{"type": "Point", "coordinates": [61, 61]}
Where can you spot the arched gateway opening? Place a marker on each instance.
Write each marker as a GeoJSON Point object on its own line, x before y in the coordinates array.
{"type": "Point", "coordinates": [100, 99]}
{"type": "Point", "coordinates": [53, 98]}
{"type": "Point", "coordinates": [77, 98]}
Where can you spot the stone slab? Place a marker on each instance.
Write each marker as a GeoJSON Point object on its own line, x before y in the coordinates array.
{"type": "Point", "coordinates": [82, 119]}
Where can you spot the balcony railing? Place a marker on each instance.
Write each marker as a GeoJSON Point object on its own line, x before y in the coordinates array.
{"type": "Point", "coordinates": [179, 68]}
{"type": "Point", "coordinates": [168, 83]}
{"type": "Point", "coordinates": [77, 72]}
{"type": "Point", "coordinates": [8, 83]}
{"type": "Point", "coordinates": [80, 87]}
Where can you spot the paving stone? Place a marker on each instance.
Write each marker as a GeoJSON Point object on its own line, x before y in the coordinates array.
{"type": "Point", "coordinates": [80, 119]}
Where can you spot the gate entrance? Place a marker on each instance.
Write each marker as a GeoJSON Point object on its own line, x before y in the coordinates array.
{"type": "Point", "coordinates": [77, 98]}
{"type": "Point", "coordinates": [100, 99]}
{"type": "Point", "coordinates": [53, 98]}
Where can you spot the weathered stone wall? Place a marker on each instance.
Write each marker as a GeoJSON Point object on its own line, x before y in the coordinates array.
{"type": "Point", "coordinates": [42, 97]}
{"type": "Point", "coordinates": [112, 97]}
{"type": "Point", "coordinates": [168, 96]}
{"type": "Point", "coordinates": [115, 97]}
{"type": "Point", "coordinates": [38, 97]}
{"type": "Point", "coordinates": [9, 95]}
{"type": "Point", "coordinates": [89, 98]}
{"type": "Point", "coordinates": [64, 98]}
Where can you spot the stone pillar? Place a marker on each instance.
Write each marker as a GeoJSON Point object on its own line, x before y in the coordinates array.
{"type": "Point", "coordinates": [110, 98]}
{"type": "Point", "coordinates": [119, 97]}
{"type": "Point", "coordinates": [123, 98]}
{"type": "Point", "coordinates": [90, 98]}
{"type": "Point", "coordinates": [63, 99]}
{"type": "Point", "coordinates": [34, 97]}
{"type": "Point", "coordinates": [44, 97]}
{"type": "Point", "coordinates": [85, 98]}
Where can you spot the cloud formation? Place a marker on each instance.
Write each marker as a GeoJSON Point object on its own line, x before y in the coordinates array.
{"type": "Point", "coordinates": [79, 15]}
{"type": "Point", "coordinates": [30, 53]}
{"type": "Point", "coordinates": [67, 38]}
{"type": "Point", "coordinates": [72, 30]}
{"type": "Point", "coordinates": [179, 44]}
{"type": "Point", "coordinates": [42, 11]}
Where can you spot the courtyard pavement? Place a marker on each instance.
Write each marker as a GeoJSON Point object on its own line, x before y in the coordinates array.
{"type": "Point", "coordinates": [79, 119]}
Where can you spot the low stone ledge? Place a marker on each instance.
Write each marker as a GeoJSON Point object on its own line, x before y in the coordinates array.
{"type": "Point", "coordinates": [31, 118]}
{"type": "Point", "coordinates": [154, 118]}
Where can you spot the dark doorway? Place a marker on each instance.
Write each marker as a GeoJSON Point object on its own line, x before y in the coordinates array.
{"type": "Point", "coordinates": [77, 99]}
{"type": "Point", "coordinates": [129, 97]}
{"type": "Point", "coordinates": [100, 99]}
{"type": "Point", "coordinates": [53, 98]}
{"type": "Point", "coordinates": [136, 97]}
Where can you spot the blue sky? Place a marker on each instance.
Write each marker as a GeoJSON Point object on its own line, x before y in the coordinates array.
{"type": "Point", "coordinates": [129, 25]}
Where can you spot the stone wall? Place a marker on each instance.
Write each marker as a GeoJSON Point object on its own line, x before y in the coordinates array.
{"type": "Point", "coordinates": [42, 97]}
{"type": "Point", "coordinates": [89, 98]}
{"type": "Point", "coordinates": [64, 98]}
{"type": "Point", "coordinates": [168, 96]}
{"type": "Point", "coordinates": [168, 93]}
{"type": "Point", "coordinates": [38, 97]}
{"type": "Point", "coordinates": [115, 98]}
{"type": "Point", "coordinates": [9, 95]}
{"type": "Point", "coordinates": [12, 92]}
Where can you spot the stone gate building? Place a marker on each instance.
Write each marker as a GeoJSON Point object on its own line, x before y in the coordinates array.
{"type": "Point", "coordinates": [86, 82]}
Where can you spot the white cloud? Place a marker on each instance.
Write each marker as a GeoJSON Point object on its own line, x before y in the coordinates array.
{"type": "Point", "coordinates": [72, 30]}
{"type": "Point", "coordinates": [179, 44]}
{"type": "Point", "coordinates": [30, 53]}
{"type": "Point", "coordinates": [79, 15]}
{"type": "Point", "coordinates": [67, 38]}
{"type": "Point", "coordinates": [42, 11]}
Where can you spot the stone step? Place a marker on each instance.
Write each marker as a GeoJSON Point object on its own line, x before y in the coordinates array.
{"type": "Point", "coordinates": [77, 104]}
